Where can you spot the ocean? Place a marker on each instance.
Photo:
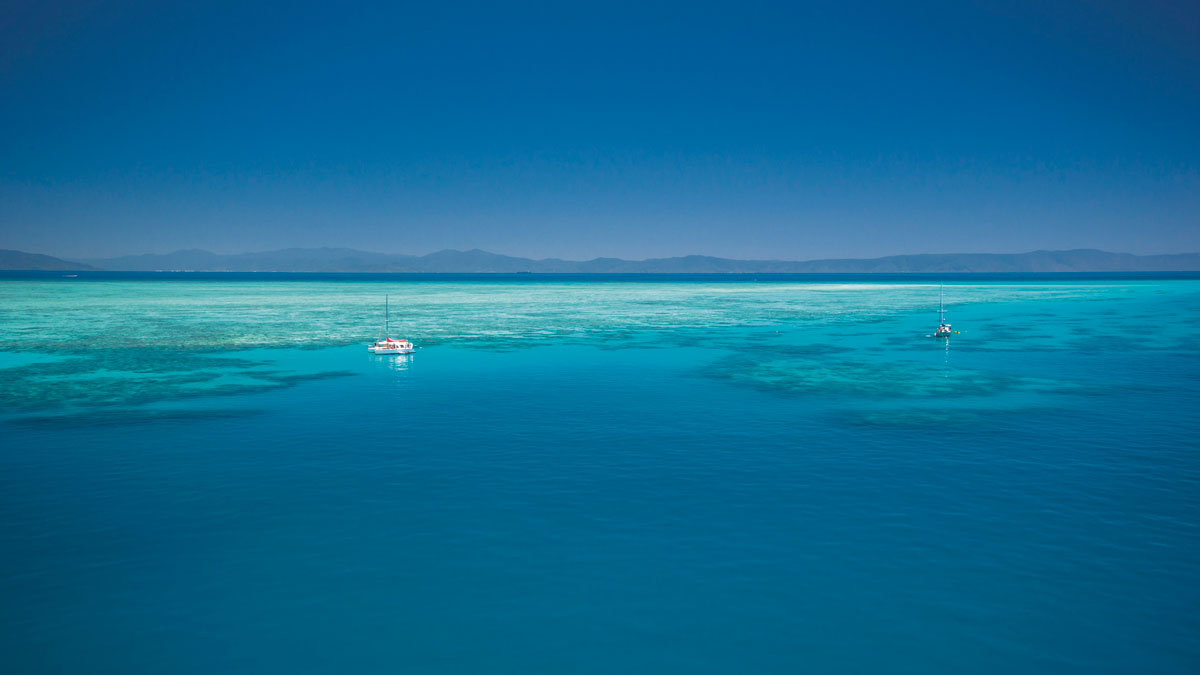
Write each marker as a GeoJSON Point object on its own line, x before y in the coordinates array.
{"type": "Point", "coordinates": [613, 474]}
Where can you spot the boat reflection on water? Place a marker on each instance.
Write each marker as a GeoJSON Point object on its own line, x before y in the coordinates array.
{"type": "Point", "coordinates": [397, 362]}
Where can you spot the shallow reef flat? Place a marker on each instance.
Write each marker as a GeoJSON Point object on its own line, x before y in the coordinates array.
{"type": "Point", "coordinates": [121, 344]}
{"type": "Point", "coordinates": [49, 316]}
{"type": "Point", "coordinates": [123, 378]}
{"type": "Point", "coordinates": [829, 374]}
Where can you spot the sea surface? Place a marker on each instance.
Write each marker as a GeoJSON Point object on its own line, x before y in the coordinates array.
{"type": "Point", "coordinates": [743, 474]}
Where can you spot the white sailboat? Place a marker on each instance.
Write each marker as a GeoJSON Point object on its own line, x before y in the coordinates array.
{"type": "Point", "coordinates": [384, 344]}
{"type": "Point", "coordinates": [943, 329]}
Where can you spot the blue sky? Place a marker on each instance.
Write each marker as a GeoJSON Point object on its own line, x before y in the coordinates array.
{"type": "Point", "coordinates": [601, 129]}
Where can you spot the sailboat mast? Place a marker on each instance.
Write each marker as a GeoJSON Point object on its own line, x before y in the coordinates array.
{"type": "Point", "coordinates": [386, 330]}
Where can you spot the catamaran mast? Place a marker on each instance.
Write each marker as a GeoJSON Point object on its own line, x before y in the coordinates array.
{"type": "Point", "coordinates": [386, 331]}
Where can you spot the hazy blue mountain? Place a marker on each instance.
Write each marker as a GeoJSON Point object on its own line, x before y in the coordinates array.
{"type": "Point", "coordinates": [19, 260]}
{"type": "Point", "coordinates": [349, 260]}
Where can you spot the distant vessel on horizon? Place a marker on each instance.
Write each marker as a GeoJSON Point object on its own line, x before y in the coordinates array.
{"type": "Point", "coordinates": [384, 344]}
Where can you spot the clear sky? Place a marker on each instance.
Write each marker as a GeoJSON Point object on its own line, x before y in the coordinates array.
{"type": "Point", "coordinates": [570, 129]}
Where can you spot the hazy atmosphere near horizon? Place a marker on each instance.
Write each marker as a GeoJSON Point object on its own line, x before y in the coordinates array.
{"type": "Point", "coordinates": [756, 130]}
{"type": "Point", "coordinates": [600, 338]}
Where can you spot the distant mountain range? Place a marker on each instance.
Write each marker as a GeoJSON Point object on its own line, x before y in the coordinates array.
{"type": "Point", "coordinates": [476, 261]}
{"type": "Point", "coordinates": [20, 260]}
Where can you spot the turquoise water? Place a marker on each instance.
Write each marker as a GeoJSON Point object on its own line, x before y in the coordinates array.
{"type": "Point", "coordinates": [598, 476]}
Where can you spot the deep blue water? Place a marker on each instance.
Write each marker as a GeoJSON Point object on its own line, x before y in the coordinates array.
{"type": "Point", "coordinates": [783, 494]}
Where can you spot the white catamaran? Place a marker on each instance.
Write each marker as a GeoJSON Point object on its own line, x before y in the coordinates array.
{"type": "Point", "coordinates": [943, 329]}
{"type": "Point", "coordinates": [385, 344]}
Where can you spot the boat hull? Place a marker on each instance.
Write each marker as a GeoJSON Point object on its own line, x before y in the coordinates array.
{"type": "Point", "coordinates": [390, 352]}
